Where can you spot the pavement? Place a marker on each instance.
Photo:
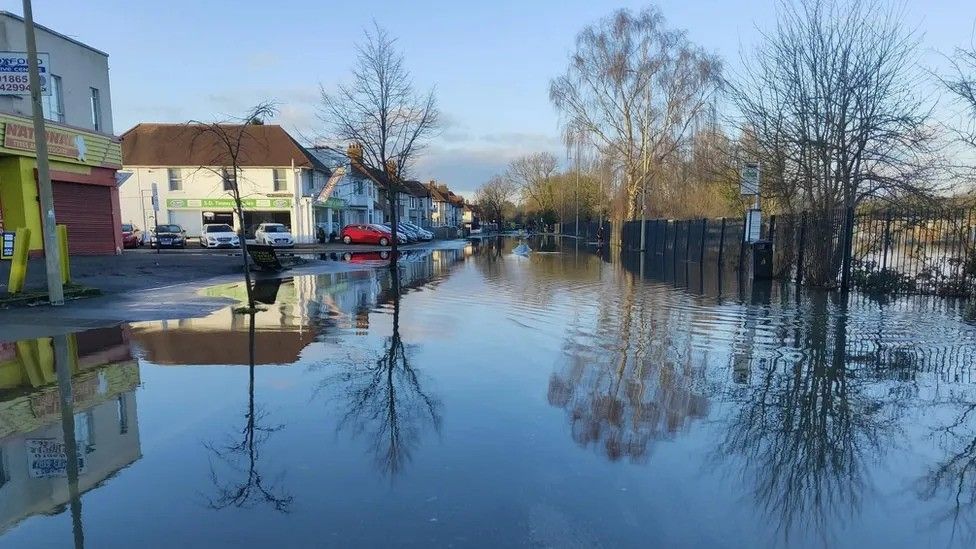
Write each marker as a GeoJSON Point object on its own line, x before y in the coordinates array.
{"type": "Point", "coordinates": [144, 285]}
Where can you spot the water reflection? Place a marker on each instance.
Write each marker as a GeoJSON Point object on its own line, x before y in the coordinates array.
{"type": "Point", "coordinates": [380, 395]}
{"type": "Point", "coordinates": [62, 396]}
{"type": "Point", "coordinates": [235, 466]}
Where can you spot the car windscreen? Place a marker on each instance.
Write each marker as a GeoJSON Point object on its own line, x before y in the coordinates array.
{"type": "Point", "coordinates": [275, 229]}
{"type": "Point", "coordinates": [219, 229]}
{"type": "Point", "coordinates": [169, 229]}
{"type": "Point", "coordinates": [126, 228]}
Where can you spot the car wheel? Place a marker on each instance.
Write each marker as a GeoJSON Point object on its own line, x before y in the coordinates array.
{"type": "Point", "coordinates": [347, 239]}
{"type": "Point", "coordinates": [346, 256]}
{"type": "Point", "coordinates": [384, 255]}
{"type": "Point", "coordinates": [384, 241]}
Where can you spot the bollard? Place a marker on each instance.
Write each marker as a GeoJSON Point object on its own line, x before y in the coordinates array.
{"type": "Point", "coordinates": [63, 248]}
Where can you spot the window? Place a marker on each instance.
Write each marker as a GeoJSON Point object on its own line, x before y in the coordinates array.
{"type": "Point", "coordinates": [175, 176]}
{"type": "Point", "coordinates": [96, 110]}
{"type": "Point", "coordinates": [228, 179]}
{"type": "Point", "coordinates": [53, 105]}
{"type": "Point", "coordinates": [280, 180]}
{"type": "Point", "coordinates": [359, 186]}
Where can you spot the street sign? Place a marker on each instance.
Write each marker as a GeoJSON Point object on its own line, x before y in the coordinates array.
{"type": "Point", "coordinates": [155, 197]}
{"type": "Point", "coordinates": [14, 79]}
{"type": "Point", "coordinates": [749, 179]}
{"type": "Point", "coordinates": [753, 225]}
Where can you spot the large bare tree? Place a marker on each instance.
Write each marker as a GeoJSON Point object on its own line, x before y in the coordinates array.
{"type": "Point", "coordinates": [226, 144]}
{"type": "Point", "coordinates": [962, 84]}
{"type": "Point", "coordinates": [831, 98]}
{"type": "Point", "coordinates": [494, 195]}
{"type": "Point", "coordinates": [634, 87]}
{"type": "Point", "coordinates": [533, 176]}
{"type": "Point", "coordinates": [381, 111]}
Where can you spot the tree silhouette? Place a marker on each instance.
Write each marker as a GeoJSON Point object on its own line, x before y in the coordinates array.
{"type": "Point", "coordinates": [240, 459]}
{"type": "Point", "coordinates": [383, 400]}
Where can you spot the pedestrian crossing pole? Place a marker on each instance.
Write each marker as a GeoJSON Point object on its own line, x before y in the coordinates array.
{"type": "Point", "coordinates": [52, 252]}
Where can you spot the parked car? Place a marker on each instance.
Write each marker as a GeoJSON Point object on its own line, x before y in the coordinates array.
{"type": "Point", "coordinates": [424, 233]}
{"type": "Point", "coordinates": [365, 234]}
{"type": "Point", "coordinates": [131, 236]}
{"type": "Point", "coordinates": [401, 238]}
{"type": "Point", "coordinates": [219, 235]}
{"type": "Point", "coordinates": [168, 236]}
{"type": "Point", "coordinates": [274, 234]}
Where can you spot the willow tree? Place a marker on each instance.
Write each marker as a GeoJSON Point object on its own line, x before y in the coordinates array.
{"type": "Point", "coordinates": [634, 88]}
{"type": "Point", "coordinates": [382, 112]}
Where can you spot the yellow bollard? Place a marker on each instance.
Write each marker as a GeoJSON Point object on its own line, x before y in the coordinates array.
{"type": "Point", "coordinates": [18, 263]}
{"type": "Point", "coordinates": [65, 262]}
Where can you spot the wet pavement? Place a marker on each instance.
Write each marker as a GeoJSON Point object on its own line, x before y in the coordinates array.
{"type": "Point", "coordinates": [485, 399]}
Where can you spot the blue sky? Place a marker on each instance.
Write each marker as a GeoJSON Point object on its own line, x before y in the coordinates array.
{"type": "Point", "coordinates": [491, 62]}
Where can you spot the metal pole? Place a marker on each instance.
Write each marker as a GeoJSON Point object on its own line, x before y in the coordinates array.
{"type": "Point", "coordinates": [577, 190]}
{"type": "Point", "coordinates": [52, 253]}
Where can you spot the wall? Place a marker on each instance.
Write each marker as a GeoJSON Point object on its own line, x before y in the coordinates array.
{"type": "Point", "coordinates": [80, 68]}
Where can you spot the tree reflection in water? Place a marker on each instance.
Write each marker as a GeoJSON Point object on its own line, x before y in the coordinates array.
{"type": "Point", "coordinates": [620, 392]}
{"type": "Point", "coordinates": [381, 398]}
{"type": "Point", "coordinates": [235, 466]}
{"type": "Point", "coordinates": [953, 479]}
{"type": "Point", "coordinates": [807, 422]}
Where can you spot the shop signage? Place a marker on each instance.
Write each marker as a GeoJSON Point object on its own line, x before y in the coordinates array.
{"type": "Point", "coordinates": [59, 143]}
{"type": "Point", "coordinates": [46, 458]}
{"type": "Point", "coordinates": [14, 78]}
{"type": "Point", "coordinates": [334, 203]}
{"type": "Point", "coordinates": [227, 203]}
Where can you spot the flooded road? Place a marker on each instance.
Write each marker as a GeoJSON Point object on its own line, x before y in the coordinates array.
{"type": "Point", "coordinates": [489, 399]}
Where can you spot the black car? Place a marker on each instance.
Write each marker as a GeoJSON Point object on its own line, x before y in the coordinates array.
{"type": "Point", "coordinates": [168, 236]}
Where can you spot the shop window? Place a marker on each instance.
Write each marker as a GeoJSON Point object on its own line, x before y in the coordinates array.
{"type": "Point", "coordinates": [53, 105]}
{"type": "Point", "coordinates": [175, 176]}
{"type": "Point", "coordinates": [96, 110]}
{"type": "Point", "coordinates": [280, 180]}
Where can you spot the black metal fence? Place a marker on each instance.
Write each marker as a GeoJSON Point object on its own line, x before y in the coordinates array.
{"type": "Point", "coordinates": [590, 231]}
{"type": "Point", "coordinates": [902, 252]}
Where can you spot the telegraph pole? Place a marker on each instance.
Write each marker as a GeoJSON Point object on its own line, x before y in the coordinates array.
{"type": "Point", "coordinates": [52, 251]}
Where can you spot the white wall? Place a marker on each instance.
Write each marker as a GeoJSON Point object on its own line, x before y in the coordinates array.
{"type": "Point", "coordinates": [79, 67]}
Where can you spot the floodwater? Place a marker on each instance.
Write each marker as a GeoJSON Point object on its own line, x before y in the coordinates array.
{"type": "Point", "coordinates": [557, 399]}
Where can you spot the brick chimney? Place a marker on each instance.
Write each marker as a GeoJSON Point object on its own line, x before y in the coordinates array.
{"type": "Point", "coordinates": [355, 152]}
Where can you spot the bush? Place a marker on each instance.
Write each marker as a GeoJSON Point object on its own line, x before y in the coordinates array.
{"type": "Point", "coordinates": [887, 281]}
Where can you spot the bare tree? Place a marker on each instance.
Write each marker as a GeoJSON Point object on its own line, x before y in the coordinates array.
{"type": "Point", "coordinates": [634, 86]}
{"type": "Point", "coordinates": [962, 84]}
{"type": "Point", "coordinates": [228, 143]}
{"type": "Point", "coordinates": [532, 175]}
{"type": "Point", "coordinates": [382, 112]}
{"type": "Point", "coordinates": [831, 98]}
{"type": "Point", "coordinates": [494, 195]}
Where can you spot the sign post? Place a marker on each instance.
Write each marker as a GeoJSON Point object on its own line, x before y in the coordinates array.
{"type": "Point", "coordinates": [155, 205]}
{"type": "Point", "coordinates": [749, 186]}
{"type": "Point", "coordinates": [52, 259]}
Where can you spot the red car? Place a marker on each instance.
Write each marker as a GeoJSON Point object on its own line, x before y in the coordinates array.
{"type": "Point", "coordinates": [364, 234]}
{"type": "Point", "coordinates": [131, 236]}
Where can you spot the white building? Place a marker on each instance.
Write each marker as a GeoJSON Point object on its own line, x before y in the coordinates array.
{"type": "Point", "coordinates": [349, 196]}
{"type": "Point", "coordinates": [279, 180]}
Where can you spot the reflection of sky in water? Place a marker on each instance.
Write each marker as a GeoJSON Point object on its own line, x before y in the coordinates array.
{"type": "Point", "coordinates": [554, 400]}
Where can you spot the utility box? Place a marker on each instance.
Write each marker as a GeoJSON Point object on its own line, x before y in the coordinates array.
{"type": "Point", "coordinates": [762, 260]}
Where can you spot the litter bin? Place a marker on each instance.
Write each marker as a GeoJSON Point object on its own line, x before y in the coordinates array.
{"type": "Point", "coordinates": [762, 260]}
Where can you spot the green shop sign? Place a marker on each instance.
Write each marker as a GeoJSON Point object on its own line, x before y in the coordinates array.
{"type": "Point", "coordinates": [228, 203]}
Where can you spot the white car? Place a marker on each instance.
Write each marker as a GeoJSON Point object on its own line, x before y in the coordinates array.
{"type": "Point", "coordinates": [274, 234]}
{"type": "Point", "coordinates": [219, 235]}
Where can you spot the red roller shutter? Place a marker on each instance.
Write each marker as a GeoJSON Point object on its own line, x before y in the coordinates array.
{"type": "Point", "coordinates": [87, 212]}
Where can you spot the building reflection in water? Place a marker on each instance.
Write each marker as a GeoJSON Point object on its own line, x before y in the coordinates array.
{"type": "Point", "coordinates": [98, 378]}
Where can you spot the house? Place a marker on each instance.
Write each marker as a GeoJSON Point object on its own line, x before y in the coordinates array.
{"type": "Point", "coordinates": [419, 203]}
{"type": "Point", "coordinates": [349, 195]}
{"type": "Point", "coordinates": [455, 209]}
{"type": "Point", "coordinates": [84, 155]}
{"type": "Point", "coordinates": [278, 178]}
